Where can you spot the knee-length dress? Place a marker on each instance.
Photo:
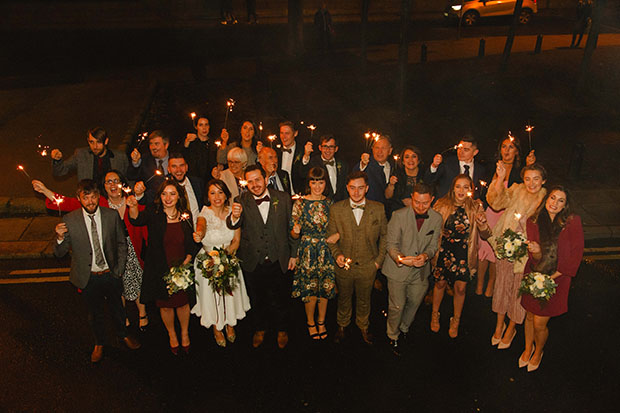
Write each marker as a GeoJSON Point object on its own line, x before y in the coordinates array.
{"type": "Point", "coordinates": [213, 308]}
{"type": "Point", "coordinates": [452, 259]}
{"type": "Point", "coordinates": [314, 275]}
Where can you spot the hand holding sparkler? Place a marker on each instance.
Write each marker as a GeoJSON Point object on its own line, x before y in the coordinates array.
{"type": "Point", "coordinates": [500, 170]}
{"type": "Point", "coordinates": [364, 160]}
{"type": "Point", "coordinates": [61, 229]}
{"type": "Point", "coordinates": [139, 188]}
{"type": "Point", "coordinates": [189, 138]}
{"type": "Point", "coordinates": [307, 151]}
{"type": "Point", "coordinates": [437, 160]}
{"type": "Point", "coordinates": [56, 154]}
{"type": "Point", "coordinates": [224, 136]}
{"type": "Point", "coordinates": [135, 156]}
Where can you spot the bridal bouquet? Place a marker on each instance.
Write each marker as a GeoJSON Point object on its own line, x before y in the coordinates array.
{"type": "Point", "coordinates": [511, 246]}
{"type": "Point", "coordinates": [220, 269]}
{"type": "Point", "coordinates": [179, 278]}
{"type": "Point", "coordinates": [540, 286]}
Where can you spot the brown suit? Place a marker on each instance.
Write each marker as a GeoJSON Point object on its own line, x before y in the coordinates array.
{"type": "Point", "coordinates": [365, 245]}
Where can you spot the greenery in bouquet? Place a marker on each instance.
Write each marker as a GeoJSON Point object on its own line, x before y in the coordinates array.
{"type": "Point", "coordinates": [511, 246]}
{"type": "Point", "coordinates": [538, 285]}
{"type": "Point", "coordinates": [179, 278]}
{"type": "Point", "coordinates": [220, 269]}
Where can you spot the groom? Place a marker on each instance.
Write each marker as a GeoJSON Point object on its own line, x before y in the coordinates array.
{"type": "Point", "coordinates": [267, 252]}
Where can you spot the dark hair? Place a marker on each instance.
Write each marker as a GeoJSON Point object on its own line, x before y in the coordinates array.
{"type": "Point", "coordinates": [176, 155]}
{"type": "Point", "coordinates": [182, 203]}
{"type": "Point", "coordinates": [254, 137]}
{"type": "Point", "coordinates": [159, 134]}
{"type": "Point", "coordinates": [422, 189]}
{"type": "Point", "coordinates": [357, 175]}
{"type": "Point", "coordinates": [550, 230]}
{"type": "Point", "coordinates": [517, 143]}
{"type": "Point", "coordinates": [317, 174]}
{"type": "Point", "coordinates": [328, 137]}
{"type": "Point", "coordinates": [469, 139]}
{"type": "Point", "coordinates": [87, 186]}
{"type": "Point", "coordinates": [218, 183]}
{"type": "Point", "coordinates": [121, 178]}
{"type": "Point", "coordinates": [535, 167]}
{"type": "Point", "coordinates": [99, 134]}
{"type": "Point", "coordinates": [415, 150]}
{"type": "Point", "coordinates": [255, 167]}
{"type": "Point", "coordinates": [202, 116]}
{"type": "Point", "coordinates": [289, 124]}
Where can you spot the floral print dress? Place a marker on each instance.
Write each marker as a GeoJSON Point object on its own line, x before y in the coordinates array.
{"type": "Point", "coordinates": [452, 260]}
{"type": "Point", "coordinates": [314, 275]}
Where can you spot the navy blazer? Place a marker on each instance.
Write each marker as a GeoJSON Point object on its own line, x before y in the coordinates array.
{"type": "Point", "coordinates": [376, 179]}
{"type": "Point", "coordinates": [448, 170]}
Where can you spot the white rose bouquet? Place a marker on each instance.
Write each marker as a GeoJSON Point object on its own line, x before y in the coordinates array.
{"type": "Point", "coordinates": [540, 286]}
{"type": "Point", "coordinates": [511, 246]}
{"type": "Point", "coordinates": [220, 269]}
{"type": "Point", "coordinates": [179, 278]}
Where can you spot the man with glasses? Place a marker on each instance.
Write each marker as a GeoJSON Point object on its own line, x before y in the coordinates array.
{"type": "Point", "coordinates": [337, 171]}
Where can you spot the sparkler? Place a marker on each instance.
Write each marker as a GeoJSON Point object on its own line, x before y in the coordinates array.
{"type": "Point", "coordinates": [396, 157]}
{"type": "Point", "coordinates": [141, 138]}
{"type": "Point", "coordinates": [218, 143]}
{"type": "Point", "coordinates": [43, 150]}
{"type": "Point", "coordinates": [452, 148]}
{"type": "Point", "coordinates": [125, 189]}
{"type": "Point", "coordinates": [157, 173]}
{"type": "Point", "coordinates": [510, 136]}
{"type": "Point", "coordinates": [295, 197]}
{"type": "Point", "coordinates": [470, 194]}
{"type": "Point", "coordinates": [184, 216]}
{"type": "Point", "coordinates": [243, 183]}
{"type": "Point", "coordinates": [229, 107]}
{"type": "Point", "coordinates": [347, 264]}
{"type": "Point", "coordinates": [371, 138]}
{"type": "Point", "coordinates": [271, 138]}
{"type": "Point", "coordinates": [528, 129]}
{"type": "Point", "coordinates": [260, 130]}
{"type": "Point", "coordinates": [193, 116]}
{"type": "Point", "coordinates": [23, 170]}
{"type": "Point", "coordinates": [59, 200]}
{"type": "Point", "coordinates": [517, 216]}
{"type": "Point", "coordinates": [312, 128]}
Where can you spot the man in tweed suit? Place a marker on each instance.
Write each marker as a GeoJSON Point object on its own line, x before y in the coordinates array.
{"type": "Point", "coordinates": [359, 252]}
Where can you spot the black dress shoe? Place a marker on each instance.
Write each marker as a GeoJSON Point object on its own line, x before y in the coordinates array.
{"type": "Point", "coordinates": [366, 337]}
{"type": "Point", "coordinates": [97, 354]}
{"type": "Point", "coordinates": [339, 336]}
{"type": "Point", "coordinates": [395, 347]}
{"type": "Point", "coordinates": [403, 337]}
{"type": "Point", "coordinates": [131, 343]}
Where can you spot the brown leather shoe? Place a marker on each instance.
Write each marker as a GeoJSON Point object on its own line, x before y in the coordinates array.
{"type": "Point", "coordinates": [131, 343]}
{"type": "Point", "coordinates": [282, 339]}
{"type": "Point", "coordinates": [367, 337]}
{"type": "Point", "coordinates": [339, 336]}
{"type": "Point", "coordinates": [258, 338]}
{"type": "Point", "coordinates": [97, 354]}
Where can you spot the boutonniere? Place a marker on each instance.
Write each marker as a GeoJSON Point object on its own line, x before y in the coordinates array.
{"type": "Point", "coordinates": [338, 166]}
{"type": "Point", "coordinates": [285, 179]}
{"type": "Point", "coordinates": [298, 157]}
{"type": "Point", "coordinates": [275, 203]}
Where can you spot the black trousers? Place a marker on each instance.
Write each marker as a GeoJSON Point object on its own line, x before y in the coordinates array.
{"type": "Point", "coordinates": [102, 288]}
{"type": "Point", "coordinates": [269, 291]}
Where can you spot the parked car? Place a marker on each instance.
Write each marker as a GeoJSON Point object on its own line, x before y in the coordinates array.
{"type": "Point", "coordinates": [471, 11]}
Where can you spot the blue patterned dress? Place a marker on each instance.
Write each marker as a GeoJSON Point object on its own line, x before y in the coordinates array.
{"type": "Point", "coordinates": [314, 275]}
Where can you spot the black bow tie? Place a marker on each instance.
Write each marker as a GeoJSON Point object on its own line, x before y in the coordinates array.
{"type": "Point", "coordinates": [330, 163]}
{"type": "Point", "coordinates": [421, 216]}
{"type": "Point", "coordinates": [287, 150]}
{"type": "Point", "coordinates": [261, 200]}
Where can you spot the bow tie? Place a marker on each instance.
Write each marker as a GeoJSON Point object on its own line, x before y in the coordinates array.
{"type": "Point", "coordinates": [330, 163]}
{"type": "Point", "coordinates": [421, 216]}
{"type": "Point", "coordinates": [356, 206]}
{"type": "Point", "coordinates": [287, 150]}
{"type": "Point", "coordinates": [261, 200]}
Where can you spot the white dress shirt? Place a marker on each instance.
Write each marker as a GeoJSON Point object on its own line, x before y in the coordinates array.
{"type": "Point", "coordinates": [357, 213]}
{"type": "Point", "coordinates": [263, 208]}
{"type": "Point", "coordinates": [191, 199]}
{"type": "Point", "coordinates": [471, 168]}
{"type": "Point", "coordinates": [387, 169]}
{"type": "Point", "coordinates": [94, 266]}
{"type": "Point", "coordinates": [333, 173]}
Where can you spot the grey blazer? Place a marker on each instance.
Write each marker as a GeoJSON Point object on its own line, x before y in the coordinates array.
{"type": "Point", "coordinates": [278, 234]}
{"type": "Point", "coordinates": [77, 240]}
{"type": "Point", "coordinates": [82, 161]}
{"type": "Point", "coordinates": [404, 239]}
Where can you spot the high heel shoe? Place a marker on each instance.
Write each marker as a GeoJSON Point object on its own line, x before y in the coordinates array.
{"type": "Point", "coordinates": [533, 367]}
{"type": "Point", "coordinates": [315, 336]}
{"type": "Point", "coordinates": [525, 363]}
{"type": "Point", "coordinates": [221, 341]}
{"type": "Point", "coordinates": [453, 331]}
{"type": "Point", "coordinates": [174, 350]}
{"type": "Point", "coordinates": [504, 346]}
{"type": "Point", "coordinates": [435, 321]}
{"type": "Point", "coordinates": [231, 337]}
{"type": "Point", "coordinates": [144, 327]}
{"type": "Point", "coordinates": [495, 341]}
{"type": "Point", "coordinates": [186, 348]}
{"type": "Point", "coordinates": [322, 335]}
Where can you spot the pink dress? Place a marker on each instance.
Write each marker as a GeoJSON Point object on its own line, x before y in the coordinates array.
{"type": "Point", "coordinates": [485, 251]}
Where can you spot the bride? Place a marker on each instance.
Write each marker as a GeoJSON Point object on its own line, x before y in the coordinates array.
{"type": "Point", "coordinates": [218, 310]}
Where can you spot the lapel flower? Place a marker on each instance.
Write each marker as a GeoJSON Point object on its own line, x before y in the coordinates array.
{"type": "Point", "coordinates": [338, 166]}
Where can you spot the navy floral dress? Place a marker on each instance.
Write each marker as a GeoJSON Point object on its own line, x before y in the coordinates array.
{"type": "Point", "coordinates": [314, 275]}
{"type": "Point", "coordinates": [452, 260]}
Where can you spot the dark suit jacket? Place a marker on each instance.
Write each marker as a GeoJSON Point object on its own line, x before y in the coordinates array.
{"type": "Point", "coordinates": [284, 180]}
{"type": "Point", "coordinates": [143, 173]}
{"type": "Point", "coordinates": [376, 179]}
{"type": "Point", "coordinates": [201, 158]}
{"type": "Point", "coordinates": [341, 175]}
{"type": "Point", "coordinates": [83, 161]}
{"type": "Point", "coordinates": [448, 170]}
{"type": "Point", "coordinates": [156, 264]}
{"type": "Point", "coordinates": [77, 240]}
{"type": "Point", "coordinates": [253, 228]}
{"type": "Point", "coordinates": [297, 177]}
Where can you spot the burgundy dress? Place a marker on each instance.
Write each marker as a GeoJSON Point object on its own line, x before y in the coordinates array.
{"type": "Point", "coordinates": [174, 246]}
{"type": "Point", "coordinates": [570, 252]}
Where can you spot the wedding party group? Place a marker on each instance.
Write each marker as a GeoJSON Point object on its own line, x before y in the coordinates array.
{"type": "Point", "coordinates": [235, 226]}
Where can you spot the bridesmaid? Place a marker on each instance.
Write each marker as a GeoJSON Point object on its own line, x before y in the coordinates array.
{"type": "Point", "coordinates": [555, 249]}
{"type": "Point", "coordinates": [170, 244]}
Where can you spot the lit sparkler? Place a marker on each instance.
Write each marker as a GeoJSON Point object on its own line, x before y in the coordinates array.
{"type": "Point", "coordinates": [157, 173]}
{"type": "Point", "coordinates": [528, 129]}
{"type": "Point", "coordinates": [59, 199]}
{"type": "Point", "coordinates": [230, 103]}
{"type": "Point", "coordinates": [243, 183]}
{"type": "Point", "coordinates": [43, 150]}
{"type": "Point", "coordinates": [312, 128]}
{"type": "Point", "coordinates": [452, 148]}
{"type": "Point", "coordinates": [347, 264]}
{"type": "Point", "coordinates": [271, 138]}
{"type": "Point", "coordinates": [184, 216]}
{"type": "Point", "coordinates": [23, 170]}
{"type": "Point", "coordinates": [517, 216]}
{"type": "Point", "coordinates": [260, 130]}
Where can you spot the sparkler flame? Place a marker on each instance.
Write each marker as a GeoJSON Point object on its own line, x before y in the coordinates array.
{"type": "Point", "coordinates": [529, 128]}
{"type": "Point", "coordinates": [184, 216]}
{"type": "Point", "coordinates": [347, 263]}
{"type": "Point", "coordinates": [271, 137]}
{"type": "Point", "coordinates": [470, 194]}
{"type": "Point", "coordinates": [517, 216]}
{"type": "Point", "coordinates": [192, 115]}
{"type": "Point", "coordinates": [396, 157]}
{"type": "Point", "coordinates": [483, 183]}
{"type": "Point", "coordinates": [311, 127]}
{"type": "Point", "coordinates": [243, 183]}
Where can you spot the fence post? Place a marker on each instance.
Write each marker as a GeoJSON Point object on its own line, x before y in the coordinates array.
{"type": "Point", "coordinates": [538, 44]}
{"type": "Point", "coordinates": [481, 48]}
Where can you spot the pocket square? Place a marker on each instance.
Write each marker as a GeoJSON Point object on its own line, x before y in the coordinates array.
{"type": "Point", "coordinates": [431, 232]}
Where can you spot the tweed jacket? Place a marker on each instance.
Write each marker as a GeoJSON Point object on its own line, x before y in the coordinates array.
{"type": "Point", "coordinates": [82, 161]}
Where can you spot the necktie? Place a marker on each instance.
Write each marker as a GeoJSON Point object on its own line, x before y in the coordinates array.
{"type": "Point", "coordinates": [358, 206]}
{"type": "Point", "coordinates": [263, 199]}
{"type": "Point", "coordinates": [421, 216]}
{"type": "Point", "coordinates": [330, 163]}
{"type": "Point", "coordinates": [273, 182]}
{"type": "Point", "coordinates": [160, 165]}
{"type": "Point", "coordinates": [99, 260]}
{"type": "Point", "coordinates": [466, 168]}
{"type": "Point", "coordinates": [286, 150]}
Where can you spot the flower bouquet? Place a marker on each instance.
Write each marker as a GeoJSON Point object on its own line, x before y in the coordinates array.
{"type": "Point", "coordinates": [511, 246]}
{"type": "Point", "coordinates": [220, 269]}
{"type": "Point", "coordinates": [540, 286]}
{"type": "Point", "coordinates": [179, 278]}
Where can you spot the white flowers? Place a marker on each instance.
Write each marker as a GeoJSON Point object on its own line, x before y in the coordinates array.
{"type": "Point", "coordinates": [179, 278]}
{"type": "Point", "coordinates": [540, 286]}
{"type": "Point", "coordinates": [511, 246]}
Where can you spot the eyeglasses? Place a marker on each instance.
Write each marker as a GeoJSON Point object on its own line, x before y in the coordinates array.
{"type": "Point", "coordinates": [329, 146]}
{"type": "Point", "coordinates": [112, 181]}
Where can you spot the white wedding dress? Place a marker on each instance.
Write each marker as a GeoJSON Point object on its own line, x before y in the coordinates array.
{"type": "Point", "coordinates": [211, 307]}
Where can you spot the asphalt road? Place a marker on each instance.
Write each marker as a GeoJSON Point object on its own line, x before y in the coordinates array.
{"type": "Point", "coordinates": [46, 342]}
